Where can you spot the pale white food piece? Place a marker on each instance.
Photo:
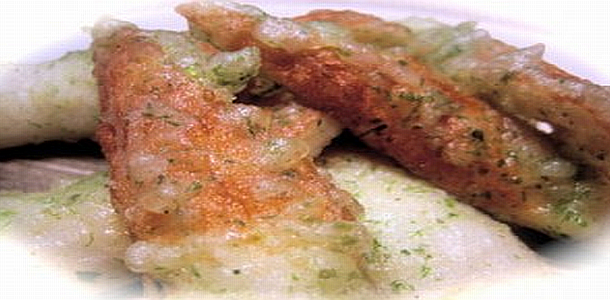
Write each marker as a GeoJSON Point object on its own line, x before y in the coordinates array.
{"type": "Point", "coordinates": [426, 245]}
{"type": "Point", "coordinates": [75, 229]}
{"type": "Point", "coordinates": [55, 100]}
{"type": "Point", "coordinates": [431, 245]}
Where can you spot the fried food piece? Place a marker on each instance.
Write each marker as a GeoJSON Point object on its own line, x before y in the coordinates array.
{"type": "Point", "coordinates": [521, 83]}
{"type": "Point", "coordinates": [185, 159]}
{"type": "Point", "coordinates": [212, 189]}
{"type": "Point", "coordinates": [398, 106]}
{"type": "Point", "coordinates": [313, 127]}
{"type": "Point", "coordinates": [55, 100]}
{"type": "Point", "coordinates": [72, 227]}
{"type": "Point", "coordinates": [517, 81]}
{"type": "Point", "coordinates": [432, 246]}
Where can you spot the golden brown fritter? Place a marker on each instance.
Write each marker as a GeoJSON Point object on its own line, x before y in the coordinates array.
{"type": "Point", "coordinates": [398, 106]}
{"type": "Point", "coordinates": [186, 160]}
{"type": "Point", "coordinates": [518, 81]}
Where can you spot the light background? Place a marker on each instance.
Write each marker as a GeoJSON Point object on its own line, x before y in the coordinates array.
{"type": "Point", "coordinates": [574, 32]}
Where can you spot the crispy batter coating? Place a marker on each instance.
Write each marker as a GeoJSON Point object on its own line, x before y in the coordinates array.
{"type": "Point", "coordinates": [185, 160]}
{"type": "Point", "coordinates": [365, 28]}
{"type": "Point", "coordinates": [398, 106]}
{"type": "Point", "coordinates": [518, 81]}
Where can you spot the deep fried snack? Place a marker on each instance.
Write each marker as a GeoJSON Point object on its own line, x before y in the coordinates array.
{"type": "Point", "coordinates": [184, 159]}
{"type": "Point", "coordinates": [398, 106]}
{"type": "Point", "coordinates": [211, 189]}
{"type": "Point", "coordinates": [517, 81]}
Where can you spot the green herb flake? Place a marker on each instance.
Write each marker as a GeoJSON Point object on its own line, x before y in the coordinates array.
{"type": "Point", "coordinates": [290, 173]}
{"type": "Point", "coordinates": [399, 285]}
{"type": "Point", "coordinates": [450, 202]}
{"type": "Point", "coordinates": [348, 240]}
{"type": "Point", "coordinates": [377, 245]}
{"type": "Point", "coordinates": [419, 250]}
{"type": "Point", "coordinates": [90, 239]}
{"type": "Point", "coordinates": [411, 97]}
{"type": "Point", "coordinates": [254, 128]}
{"type": "Point", "coordinates": [49, 212]}
{"type": "Point", "coordinates": [405, 252]}
{"type": "Point", "coordinates": [507, 77]}
{"type": "Point", "coordinates": [194, 186]}
{"type": "Point", "coordinates": [568, 208]}
{"type": "Point", "coordinates": [344, 226]}
{"type": "Point", "coordinates": [570, 214]}
{"type": "Point", "coordinates": [193, 71]}
{"type": "Point", "coordinates": [416, 233]}
{"type": "Point", "coordinates": [6, 217]}
{"type": "Point", "coordinates": [455, 51]}
{"type": "Point", "coordinates": [74, 198]}
{"type": "Point", "coordinates": [195, 271]}
{"type": "Point", "coordinates": [173, 123]}
{"type": "Point", "coordinates": [424, 271]}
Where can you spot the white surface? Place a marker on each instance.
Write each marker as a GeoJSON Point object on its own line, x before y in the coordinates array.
{"type": "Point", "coordinates": [575, 32]}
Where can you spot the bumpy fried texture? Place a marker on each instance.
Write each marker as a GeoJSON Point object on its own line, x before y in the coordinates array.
{"type": "Point", "coordinates": [184, 159]}
{"type": "Point", "coordinates": [518, 81]}
{"type": "Point", "coordinates": [365, 28]}
{"type": "Point", "coordinates": [399, 107]}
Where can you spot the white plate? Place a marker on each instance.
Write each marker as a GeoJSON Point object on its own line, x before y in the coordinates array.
{"type": "Point", "coordinates": [575, 33]}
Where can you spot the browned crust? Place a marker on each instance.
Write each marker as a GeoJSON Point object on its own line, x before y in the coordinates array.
{"type": "Point", "coordinates": [218, 154]}
{"type": "Point", "coordinates": [581, 119]}
{"type": "Point", "coordinates": [463, 146]}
